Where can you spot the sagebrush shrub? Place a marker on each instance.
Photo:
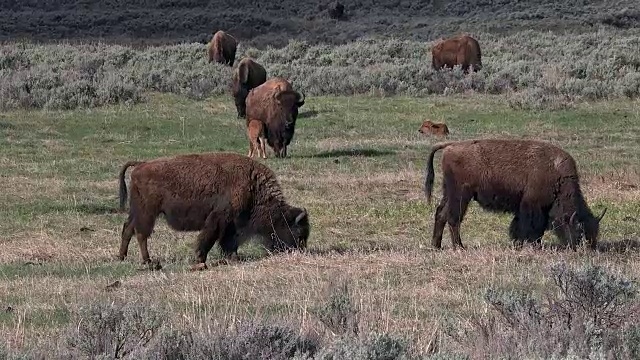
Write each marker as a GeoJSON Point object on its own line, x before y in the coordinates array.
{"type": "Point", "coordinates": [589, 313]}
{"type": "Point", "coordinates": [544, 69]}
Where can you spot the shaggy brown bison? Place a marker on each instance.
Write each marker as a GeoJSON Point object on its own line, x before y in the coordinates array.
{"type": "Point", "coordinates": [429, 127]}
{"type": "Point", "coordinates": [222, 48]}
{"type": "Point", "coordinates": [460, 50]}
{"type": "Point", "coordinates": [227, 197]}
{"type": "Point", "coordinates": [247, 76]}
{"type": "Point", "coordinates": [257, 140]}
{"type": "Point", "coordinates": [276, 104]}
{"type": "Point", "coordinates": [536, 181]}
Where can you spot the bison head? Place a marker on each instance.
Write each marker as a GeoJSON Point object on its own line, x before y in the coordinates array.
{"type": "Point", "coordinates": [288, 99]}
{"type": "Point", "coordinates": [589, 227]}
{"type": "Point", "coordinates": [240, 90]}
{"type": "Point", "coordinates": [290, 230]}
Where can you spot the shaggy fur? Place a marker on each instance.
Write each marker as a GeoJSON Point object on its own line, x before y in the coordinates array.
{"type": "Point", "coordinates": [460, 50]}
{"type": "Point", "coordinates": [226, 196]}
{"type": "Point", "coordinates": [534, 180]}
{"type": "Point", "coordinates": [222, 48]}
{"type": "Point", "coordinates": [257, 140]}
{"type": "Point", "coordinates": [276, 104]}
{"type": "Point", "coordinates": [246, 76]}
{"type": "Point", "coordinates": [429, 127]}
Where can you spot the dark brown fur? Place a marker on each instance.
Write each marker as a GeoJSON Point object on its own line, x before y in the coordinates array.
{"type": "Point", "coordinates": [248, 75]}
{"type": "Point", "coordinates": [226, 196]}
{"type": "Point", "coordinates": [460, 50]}
{"type": "Point", "coordinates": [534, 180]}
{"type": "Point", "coordinates": [276, 104]}
{"type": "Point", "coordinates": [429, 127]}
{"type": "Point", "coordinates": [222, 48]}
{"type": "Point", "coordinates": [257, 140]}
{"type": "Point", "coordinates": [336, 10]}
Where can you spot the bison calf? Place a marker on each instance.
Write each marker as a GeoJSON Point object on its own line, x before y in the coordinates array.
{"type": "Point", "coordinates": [257, 139]}
{"type": "Point", "coordinates": [429, 127]}
{"type": "Point", "coordinates": [227, 197]}
{"type": "Point", "coordinates": [534, 180]}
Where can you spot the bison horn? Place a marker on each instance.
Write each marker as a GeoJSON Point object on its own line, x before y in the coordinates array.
{"type": "Point", "coordinates": [301, 216]}
{"type": "Point", "coordinates": [572, 218]}
{"type": "Point", "coordinates": [602, 215]}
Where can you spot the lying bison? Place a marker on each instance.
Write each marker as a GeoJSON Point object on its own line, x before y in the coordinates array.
{"type": "Point", "coordinates": [438, 129]}
{"type": "Point", "coordinates": [247, 76]}
{"type": "Point", "coordinates": [227, 197]}
{"type": "Point", "coordinates": [534, 180]}
{"type": "Point", "coordinates": [222, 48]}
{"type": "Point", "coordinates": [461, 50]}
{"type": "Point", "coordinates": [276, 104]}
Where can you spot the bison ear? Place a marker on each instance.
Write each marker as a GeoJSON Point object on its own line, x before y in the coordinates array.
{"type": "Point", "coordinates": [301, 216]}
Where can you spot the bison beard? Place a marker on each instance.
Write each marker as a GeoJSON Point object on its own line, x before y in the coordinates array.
{"type": "Point", "coordinates": [534, 180]}
{"type": "Point", "coordinates": [225, 196]}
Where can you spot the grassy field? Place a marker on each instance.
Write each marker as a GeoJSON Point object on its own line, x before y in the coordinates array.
{"type": "Point", "coordinates": [357, 164]}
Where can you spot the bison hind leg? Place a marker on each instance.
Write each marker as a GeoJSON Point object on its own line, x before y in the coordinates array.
{"type": "Point", "coordinates": [128, 229]}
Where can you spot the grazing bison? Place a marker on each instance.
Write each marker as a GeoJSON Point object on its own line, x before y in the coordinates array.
{"type": "Point", "coordinates": [257, 140]}
{"type": "Point", "coordinates": [534, 180]}
{"type": "Point", "coordinates": [429, 127]}
{"type": "Point", "coordinates": [460, 50]}
{"type": "Point", "coordinates": [247, 76]}
{"type": "Point", "coordinates": [226, 196]}
{"type": "Point", "coordinates": [336, 10]}
{"type": "Point", "coordinates": [222, 48]}
{"type": "Point", "coordinates": [276, 104]}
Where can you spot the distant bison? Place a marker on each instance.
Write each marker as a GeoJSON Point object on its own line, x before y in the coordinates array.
{"type": "Point", "coordinates": [534, 180]}
{"type": "Point", "coordinates": [276, 104]}
{"type": "Point", "coordinates": [336, 10]}
{"type": "Point", "coordinates": [246, 76]}
{"type": "Point", "coordinates": [461, 50]}
{"type": "Point", "coordinates": [227, 197]}
{"type": "Point", "coordinates": [222, 48]}
{"type": "Point", "coordinates": [429, 127]}
{"type": "Point", "coordinates": [257, 139]}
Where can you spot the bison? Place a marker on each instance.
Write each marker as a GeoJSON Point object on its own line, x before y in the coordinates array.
{"type": "Point", "coordinates": [460, 50]}
{"type": "Point", "coordinates": [429, 127]}
{"type": "Point", "coordinates": [247, 76]}
{"type": "Point", "coordinates": [336, 10]}
{"type": "Point", "coordinates": [257, 140]}
{"type": "Point", "coordinates": [228, 197]}
{"type": "Point", "coordinates": [222, 48]}
{"type": "Point", "coordinates": [534, 180]}
{"type": "Point", "coordinates": [276, 104]}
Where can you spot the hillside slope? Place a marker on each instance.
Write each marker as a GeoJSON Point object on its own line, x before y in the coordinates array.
{"type": "Point", "coordinates": [274, 23]}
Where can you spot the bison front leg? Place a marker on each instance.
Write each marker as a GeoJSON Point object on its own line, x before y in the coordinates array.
{"type": "Point", "coordinates": [217, 228]}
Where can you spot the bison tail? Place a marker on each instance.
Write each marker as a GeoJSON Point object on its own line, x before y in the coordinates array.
{"type": "Point", "coordinates": [428, 183]}
{"type": "Point", "coordinates": [123, 185]}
